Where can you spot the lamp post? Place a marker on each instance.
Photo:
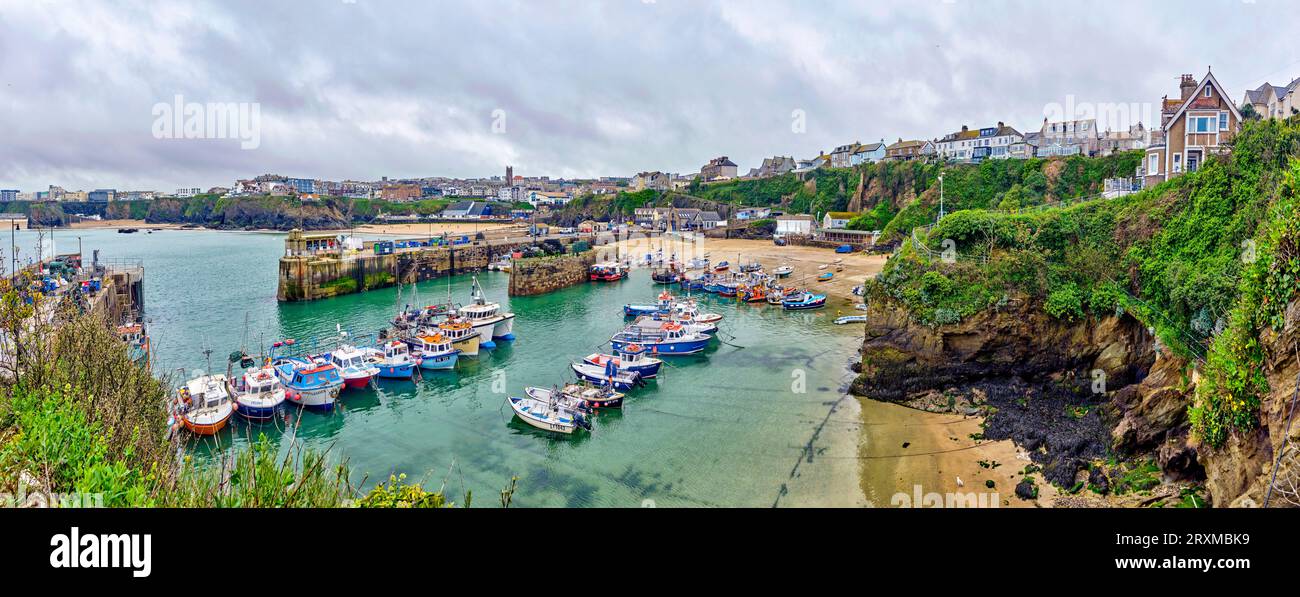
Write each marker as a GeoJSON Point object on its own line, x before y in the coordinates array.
{"type": "Point", "coordinates": [941, 213]}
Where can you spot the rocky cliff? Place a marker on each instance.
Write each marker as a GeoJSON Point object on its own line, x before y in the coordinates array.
{"type": "Point", "coordinates": [540, 275]}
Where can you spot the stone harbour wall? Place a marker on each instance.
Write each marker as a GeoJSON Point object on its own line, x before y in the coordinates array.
{"type": "Point", "coordinates": [540, 275]}
{"type": "Point", "coordinates": [307, 278]}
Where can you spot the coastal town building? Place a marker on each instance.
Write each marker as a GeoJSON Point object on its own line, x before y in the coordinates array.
{"type": "Point", "coordinates": [973, 145]}
{"type": "Point", "coordinates": [867, 154]}
{"type": "Point", "coordinates": [808, 165]}
{"type": "Point", "coordinates": [656, 180]}
{"type": "Point", "coordinates": [774, 166]}
{"type": "Point", "coordinates": [1273, 101]}
{"type": "Point", "coordinates": [719, 168]}
{"type": "Point", "coordinates": [794, 224]}
{"type": "Point", "coordinates": [752, 213]}
{"type": "Point", "coordinates": [190, 192]}
{"type": "Point", "coordinates": [909, 150]}
{"type": "Point", "coordinates": [13, 221]}
{"type": "Point", "coordinates": [7, 195]}
{"type": "Point", "coordinates": [548, 198]}
{"type": "Point", "coordinates": [401, 192]}
{"type": "Point", "coordinates": [1068, 137]}
{"type": "Point", "coordinates": [707, 220]}
{"type": "Point", "coordinates": [1119, 141]}
{"type": "Point", "coordinates": [467, 210]}
{"type": "Point", "coordinates": [840, 155]}
{"type": "Point", "coordinates": [101, 195]}
{"type": "Point", "coordinates": [837, 219]}
{"type": "Point", "coordinates": [1201, 123]}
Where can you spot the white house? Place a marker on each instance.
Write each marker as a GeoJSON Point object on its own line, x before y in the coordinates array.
{"type": "Point", "coordinates": [794, 224]}
{"type": "Point", "coordinates": [969, 145]}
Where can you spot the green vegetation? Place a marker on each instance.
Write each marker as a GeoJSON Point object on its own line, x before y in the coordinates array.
{"type": "Point", "coordinates": [343, 285]}
{"type": "Point", "coordinates": [1208, 260]}
{"type": "Point", "coordinates": [380, 280]}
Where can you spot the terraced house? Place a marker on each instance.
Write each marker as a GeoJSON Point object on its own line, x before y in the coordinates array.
{"type": "Point", "coordinates": [908, 150]}
{"type": "Point", "coordinates": [969, 145]}
{"type": "Point", "coordinates": [1199, 124]}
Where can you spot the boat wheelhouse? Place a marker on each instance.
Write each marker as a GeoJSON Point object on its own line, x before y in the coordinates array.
{"type": "Point", "coordinates": [433, 352]}
{"type": "Point", "coordinates": [660, 338]}
{"type": "Point", "coordinates": [488, 319]}
{"type": "Point", "coordinates": [632, 358]}
{"type": "Point", "coordinates": [307, 383]}
{"type": "Point", "coordinates": [462, 334]}
{"type": "Point", "coordinates": [804, 301]}
{"type": "Point", "coordinates": [258, 394]}
{"type": "Point", "coordinates": [393, 360]}
{"type": "Point", "coordinates": [353, 367]}
{"type": "Point", "coordinates": [204, 405]}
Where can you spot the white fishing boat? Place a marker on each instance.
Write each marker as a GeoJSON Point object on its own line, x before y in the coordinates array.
{"type": "Point", "coordinates": [851, 319]}
{"type": "Point", "coordinates": [488, 319]}
{"type": "Point", "coordinates": [548, 415]}
{"type": "Point", "coordinates": [351, 361]}
{"type": "Point", "coordinates": [783, 271]}
{"type": "Point", "coordinates": [462, 334]}
{"type": "Point", "coordinates": [203, 404]}
{"type": "Point", "coordinates": [257, 393]}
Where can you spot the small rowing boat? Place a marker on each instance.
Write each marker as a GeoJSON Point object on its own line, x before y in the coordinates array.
{"type": "Point", "coordinates": [851, 319]}
{"type": "Point", "coordinates": [722, 266]}
{"type": "Point", "coordinates": [579, 396]}
{"type": "Point", "coordinates": [548, 416]}
{"type": "Point", "coordinates": [826, 276]}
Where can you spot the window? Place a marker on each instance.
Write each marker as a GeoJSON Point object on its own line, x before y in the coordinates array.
{"type": "Point", "coordinates": [1178, 162]}
{"type": "Point", "coordinates": [1202, 124]}
{"type": "Point", "coordinates": [1153, 164]}
{"type": "Point", "coordinates": [1208, 89]}
{"type": "Point", "coordinates": [1223, 121]}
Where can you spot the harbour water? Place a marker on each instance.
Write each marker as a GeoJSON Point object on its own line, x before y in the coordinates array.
{"type": "Point", "coordinates": [761, 419]}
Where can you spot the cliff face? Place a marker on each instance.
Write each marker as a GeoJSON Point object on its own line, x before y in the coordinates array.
{"type": "Point", "coordinates": [247, 213]}
{"type": "Point", "coordinates": [1239, 472]}
{"type": "Point", "coordinates": [1069, 393]}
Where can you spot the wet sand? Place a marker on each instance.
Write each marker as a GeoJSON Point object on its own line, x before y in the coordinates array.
{"type": "Point", "coordinates": [141, 224]}
{"type": "Point", "coordinates": [939, 451]}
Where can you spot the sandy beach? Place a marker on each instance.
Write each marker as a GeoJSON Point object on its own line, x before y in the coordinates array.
{"type": "Point", "coordinates": [141, 224]}
{"type": "Point", "coordinates": [905, 452]}
{"type": "Point", "coordinates": [806, 261]}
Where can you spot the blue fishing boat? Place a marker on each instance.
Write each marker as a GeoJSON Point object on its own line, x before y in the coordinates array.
{"type": "Point", "coordinates": [633, 358]}
{"type": "Point", "coordinates": [393, 359]}
{"type": "Point", "coordinates": [609, 375]}
{"type": "Point", "coordinates": [258, 393]}
{"type": "Point", "coordinates": [664, 303]}
{"type": "Point", "coordinates": [803, 301]}
{"type": "Point", "coordinates": [659, 338]}
{"type": "Point", "coordinates": [308, 383]}
{"type": "Point", "coordinates": [728, 289]}
{"type": "Point", "coordinates": [433, 352]}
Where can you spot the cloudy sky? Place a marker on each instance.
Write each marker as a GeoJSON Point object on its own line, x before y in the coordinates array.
{"type": "Point", "coordinates": [368, 88]}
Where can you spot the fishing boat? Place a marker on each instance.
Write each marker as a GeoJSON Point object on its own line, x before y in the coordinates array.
{"type": "Point", "coordinates": [203, 404]}
{"type": "Point", "coordinates": [660, 337]}
{"type": "Point", "coordinates": [549, 416]}
{"type": "Point", "coordinates": [688, 310]}
{"type": "Point", "coordinates": [851, 319]}
{"type": "Point", "coordinates": [698, 263]}
{"type": "Point", "coordinates": [752, 294]}
{"type": "Point", "coordinates": [607, 375]}
{"type": "Point", "coordinates": [393, 359]}
{"type": "Point", "coordinates": [257, 393]}
{"type": "Point", "coordinates": [433, 352]}
{"type": "Point", "coordinates": [722, 266]}
{"type": "Point", "coordinates": [487, 318]}
{"type": "Point", "coordinates": [137, 343]}
{"type": "Point", "coordinates": [728, 289]}
{"type": "Point", "coordinates": [783, 271]}
{"type": "Point", "coordinates": [351, 362]}
{"type": "Point", "coordinates": [663, 304]}
{"type": "Point", "coordinates": [751, 267]}
{"type": "Point", "coordinates": [664, 276]}
{"type": "Point", "coordinates": [608, 271]}
{"type": "Point", "coordinates": [462, 334]}
{"type": "Point", "coordinates": [775, 296]}
{"type": "Point", "coordinates": [804, 301]}
{"type": "Point", "coordinates": [632, 358]}
{"type": "Point", "coordinates": [824, 277]}
{"type": "Point", "coordinates": [307, 383]}
{"type": "Point", "coordinates": [502, 264]}
{"type": "Point", "coordinates": [581, 396]}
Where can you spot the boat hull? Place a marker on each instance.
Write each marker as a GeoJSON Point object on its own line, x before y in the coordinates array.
{"type": "Point", "coordinates": [468, 346]}
{"type": "Point", "coordinates": [207, 426]}
{"type": "Point", "coordinates": [402, 371]}
{"type": "Point", "coordinates": [540, 422]}
{"type": "Point", "coordinates": [670, 348]}
{"type": "Point", "coordinates": [804, 306]}
{"type": "Point", "coordinates": [504, 329]}
{"type": "Point", "coordinates": [440, 362]}
{"type": "Point", "coordinates": [623, 382]}
{"type": "Point", "coordinates": [320, 398]}
{"type": "Point", "coordinates": [356, 383]}
{"type": "Point", "coordinates": [257, 413]}
{"type": "Point", "coordinates": [646, 371]}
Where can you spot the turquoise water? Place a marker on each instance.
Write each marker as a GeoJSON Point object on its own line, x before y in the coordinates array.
{"type": "Point", "coordinates": [728, 428]}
